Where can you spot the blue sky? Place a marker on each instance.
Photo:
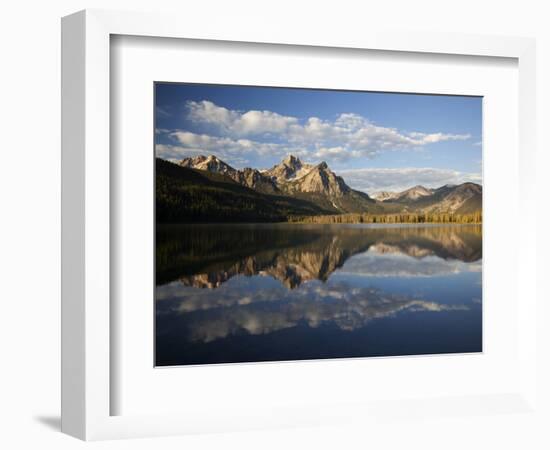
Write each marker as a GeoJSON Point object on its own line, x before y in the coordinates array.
{"type": "Point", "coordinates": [376, 141]}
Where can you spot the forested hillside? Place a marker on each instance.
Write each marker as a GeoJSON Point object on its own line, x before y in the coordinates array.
{"type": "Point", "coordinates": [189, 195]}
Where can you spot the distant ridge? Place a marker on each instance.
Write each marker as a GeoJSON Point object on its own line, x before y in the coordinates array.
{"type": "Point", "coordinates": [464, 198]}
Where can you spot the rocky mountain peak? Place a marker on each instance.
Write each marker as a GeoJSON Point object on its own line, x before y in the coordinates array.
{"type": "Point", "coordinates": [384, 195]}
{"type": "Point", "coordinates": [288, 169]}
{"type": "Point", "coordinates": [211, 163]}
{"type": "Point", "coordinates": [415, 193]}
{"type": "Point", "coordinates": [323, 166]}
{"type": "Point", "coordinates": [249, 177]}
{"type": "Point", "coordinates": [321, 180]}
{"type": "Point", "coordinates": [292, 161]}
{"type": "Point", "coordinates": [192, 161]}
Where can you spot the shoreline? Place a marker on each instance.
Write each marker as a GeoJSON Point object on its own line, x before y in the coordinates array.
{"type": "Point", "coordinates": [377, 225]}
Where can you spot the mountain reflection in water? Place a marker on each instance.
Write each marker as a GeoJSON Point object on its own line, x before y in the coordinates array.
{"type": "Point", "coordinates": [236, 293]}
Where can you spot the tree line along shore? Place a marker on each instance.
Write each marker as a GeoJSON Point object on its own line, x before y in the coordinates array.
{"type": "Point", "coordinates": [473, 218]}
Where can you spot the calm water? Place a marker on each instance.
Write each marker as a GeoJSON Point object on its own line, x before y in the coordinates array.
{"type": "Point", "coordinates": [240, 293]}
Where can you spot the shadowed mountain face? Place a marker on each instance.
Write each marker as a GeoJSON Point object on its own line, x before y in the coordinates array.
{"type": "Point", "coordinates": [264, 292]}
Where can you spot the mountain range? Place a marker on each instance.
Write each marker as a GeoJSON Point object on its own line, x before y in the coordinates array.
{"type": "Point", "coordinates": [205, 188]}
{"type": "Point", "coordinates": [316, 184]}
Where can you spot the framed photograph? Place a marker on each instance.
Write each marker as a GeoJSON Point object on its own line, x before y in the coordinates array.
{"type": "Point", "coordinates": [285, 229]}
{"type": "Point", "coordinates": [294, 224]}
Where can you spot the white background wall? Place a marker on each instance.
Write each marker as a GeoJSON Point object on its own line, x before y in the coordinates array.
{"type": "Point", "coordinates": [30, 196]}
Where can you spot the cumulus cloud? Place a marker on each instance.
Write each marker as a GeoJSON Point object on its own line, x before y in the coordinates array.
{"type": "Point", "coordinates": [238, 123]}
{"type": "Point", "coordinates": [349, 135]}
{"type": "Point", "coordinates": [373, 179]}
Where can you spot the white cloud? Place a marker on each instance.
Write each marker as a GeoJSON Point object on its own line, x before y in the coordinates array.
{"type": "Point", "coordinates": [208, 112]}
{"type": "Point", "coordinates": [349, 135]}
{"type": "Point", "coordinates": [373, 180]}
{"type": "Point", "coordinates": [423, 138]}
{"type": "Point", "coordinates": [236, 123]}
{"type": "Point", "coordinates": [335, 153]}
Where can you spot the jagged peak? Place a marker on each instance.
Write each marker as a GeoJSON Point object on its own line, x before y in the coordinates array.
{"type": "Point", "coordinates": [384, 195]}
{"type": "Point", "coordinates": [291, 159]}
{"type": "Point", "coordinates": [210, 163]}
{"type": "Point", "coordinates": [198, 158]}
{"type": "Point", "coordinates": [322, 165]}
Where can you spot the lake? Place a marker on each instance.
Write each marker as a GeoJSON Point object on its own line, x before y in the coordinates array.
{"type": "Point", "coordinates": [278, 292]}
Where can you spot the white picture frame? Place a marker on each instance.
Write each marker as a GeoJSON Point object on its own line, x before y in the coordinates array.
{"type": "Point", "coordinates": [86, 219]}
